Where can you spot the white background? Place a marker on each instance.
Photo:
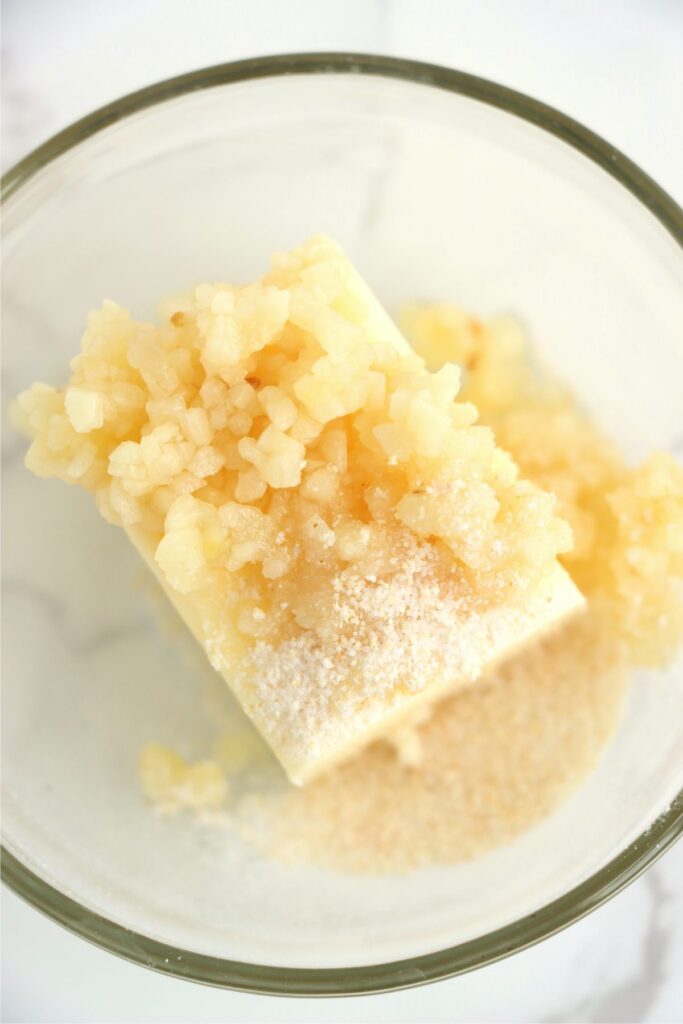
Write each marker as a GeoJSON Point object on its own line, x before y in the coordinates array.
{"type": "Point", "coordinates": [614, 65]}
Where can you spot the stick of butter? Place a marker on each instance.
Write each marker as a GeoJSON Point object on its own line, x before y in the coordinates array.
{"type": "Point", "coordinates": [341, 536]}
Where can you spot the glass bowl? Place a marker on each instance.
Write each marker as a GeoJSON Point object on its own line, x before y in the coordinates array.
{"type": "Point", "coordinates": [439, 185]}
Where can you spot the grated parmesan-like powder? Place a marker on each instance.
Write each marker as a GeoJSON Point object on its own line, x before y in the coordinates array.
{"type": "Point", "coordinates": [493, 761]}
{"type": "Point", "coordinates": [418, 631]}
{"type": "Point", "coordinates": [378, 637]}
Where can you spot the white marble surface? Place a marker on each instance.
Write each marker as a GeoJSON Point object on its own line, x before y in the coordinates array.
{"type": "Point", "coordinates": [613, 66]}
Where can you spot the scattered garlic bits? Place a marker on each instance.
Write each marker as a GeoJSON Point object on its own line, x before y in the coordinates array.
{"type": "Point", "coordinates": [173, 784]}
{"type": "Point", "coordinates": [328, 505]}
{"type": "Point", "coordinates": [627, 523]}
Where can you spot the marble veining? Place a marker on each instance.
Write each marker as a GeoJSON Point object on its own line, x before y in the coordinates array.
{"type": "Point", "coordinates": [54, 608]}
{"type": "Point", "coordinates": [632, 997]}
{"type": "Point", "coordinates": [27, 116]}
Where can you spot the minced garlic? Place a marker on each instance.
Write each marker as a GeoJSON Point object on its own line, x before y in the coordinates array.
{"type": "Point", "coordinates": [343, 537]}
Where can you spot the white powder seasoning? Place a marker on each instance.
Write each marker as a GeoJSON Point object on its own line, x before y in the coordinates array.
{"type": "Point", "coordinates": [493, 760]}
{"type": "Point", "coordinates": [384, 642]}
{"type": "Point", "coordinates": [381, 637]}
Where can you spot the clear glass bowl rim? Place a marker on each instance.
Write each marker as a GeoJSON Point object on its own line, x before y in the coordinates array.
{"type": "Point", "coordinates": [558, 914]}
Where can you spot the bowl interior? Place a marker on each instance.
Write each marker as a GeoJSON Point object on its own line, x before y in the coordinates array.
{"type": "Point", "coordinates": [436, 196]}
